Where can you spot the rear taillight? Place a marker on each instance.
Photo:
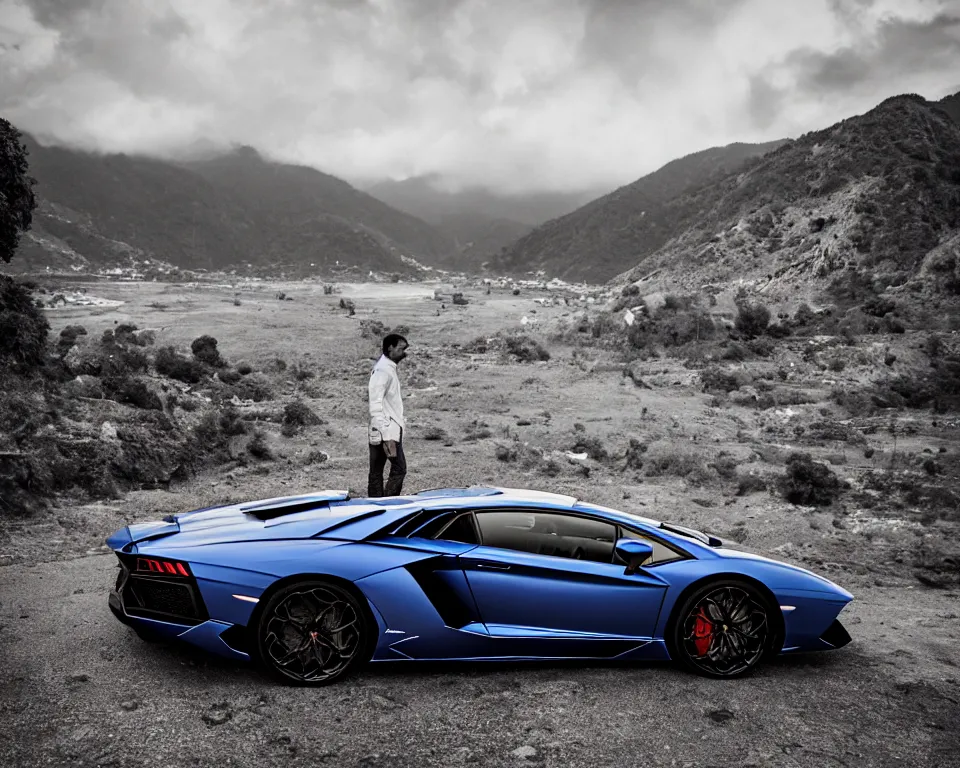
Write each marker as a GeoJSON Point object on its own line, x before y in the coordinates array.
{"type": "Point", "coordinates": [162, 567]}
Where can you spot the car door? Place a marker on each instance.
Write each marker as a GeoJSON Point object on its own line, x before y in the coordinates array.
{"type": "Point", "coordinates": [543, 572]}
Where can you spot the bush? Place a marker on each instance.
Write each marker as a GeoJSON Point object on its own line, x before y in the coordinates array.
{"type": "Point", "coordinates": [716, 379]}
{"type": "Point", "coordinates": [118, 363]}
{"type": "Point", "coordinates": [169, 363]}
{"type": "Point", "coordinates": [301, 372]}
{"type": "Point", "coordinates": [204, 348]}
{"type": "Point", "coordinates": [244, 369]}
{"type": "Point", "coordinates": [808, 482]}
{"type": "Point", "coordinates": [804, 316]}
{"type": "Point", "coordinates": [254, 387]}
{"type": "Point", "coordinates": [136, 392]}
{"type": "Point", "coordinates": [752, 318]}
{"type": "Point", "coordinates": [296, 416]}
{"type": "Point", "coordinates": [23, 327]}
{"type": "Point", "coordinates": [525, 349]}
{"type": "Point", "coordinates": [231, 423]}
{"type": "Point", "coordinates": [258, 447]}
{"type": "Point", "coordinates": [68, 336]}
{"type": "Point", "coordinates": [591, 445]}
{"type": "Point", "coordinates": [229, 377]}
{"type": "Point", "coordinates": [750, 483]}
{"type": "Point", "coordinates": [604, 324]}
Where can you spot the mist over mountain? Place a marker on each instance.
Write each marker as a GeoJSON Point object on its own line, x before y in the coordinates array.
{"type": "Point", "coordinates": [480, 220]}
{"type": "Point", "coordinates": [230, 210]}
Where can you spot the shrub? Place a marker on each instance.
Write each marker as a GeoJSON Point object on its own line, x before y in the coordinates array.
{"type": "Point", "coordinates": [671, 462]}
{"type": "Point", "coordinates": [778, 330]}
{"type": "Point", "coordinates": [254, 387]}
{"type": "Point", "coordinates": [229, 377]}
{"type": "Point", "coordinates": [750, 483]}
{"type": "Point", "coordinates": [301, 372]}
{"type": "Point", "coordinates": [68, 336]}
{"type": "Point", "coordinates": [525, 349]}
{"type": "Point", "coordinates": [591, 445]}
{"type": "Point", "coordinates": [717, 379]}
{"type": "Point", "coordinates": [244, 369]}
{"type": "Point", "coordinates": [808, 482]}
{"type": "Point", "coordinates": [136, 392]}
{"type": "Point", "coordinates": [258, 447]}
{"type": "Point", "coordinates": [231, 423]}
{"type": "Point", "coordinates": [296, 416]}
{"type": "Point", "coordinates": [804, 316]}
{"type": "Point", "coordinates": [752, 318]}
{"type": "Point", "coordinates": [23, 327]}
{"type": "Point", "coordinates": [604, 324]}
{"type": "Point", "coordinates": [634, 456]}
{"type": "Point", "coordinates": [118, 363]}
{"type": "Point", "coordinates": [169, 363]}
{"type": "Point", "coordinates": [762, 347]}
{"type": "Point", "coordinates": [204, 348]}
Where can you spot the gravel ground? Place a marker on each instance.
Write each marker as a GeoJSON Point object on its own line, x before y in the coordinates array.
{"type": "Point", "coordinates": [78, 688]}
{"type": "Point", "coordinates": [81, 689]}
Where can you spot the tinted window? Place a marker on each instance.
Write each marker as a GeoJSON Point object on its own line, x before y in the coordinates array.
{"type": "Point", "coordinates": [461, 529]}
{"type": "Point", "coordinates": [661, 552]}
{"type": "Point", "coordinates": [547, 533]}
{"type": "Point", "coordinates": [426, 525]}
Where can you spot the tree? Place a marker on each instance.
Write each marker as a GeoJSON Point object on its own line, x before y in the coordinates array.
{"type": "Point", "coordinates": [17, 200]}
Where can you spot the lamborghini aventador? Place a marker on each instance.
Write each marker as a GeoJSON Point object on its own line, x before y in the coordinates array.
{"type": "Point", "coordinates": [312, 587]}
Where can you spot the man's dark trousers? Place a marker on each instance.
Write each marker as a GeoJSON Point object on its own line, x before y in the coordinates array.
{"type": "Point", "coordinates": [398, 470]}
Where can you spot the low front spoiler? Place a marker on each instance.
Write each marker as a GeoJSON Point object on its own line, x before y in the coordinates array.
{"type": "Point", "coordinates": [208, 635]}
{"type": "Point", "coordinates": [836, 635]}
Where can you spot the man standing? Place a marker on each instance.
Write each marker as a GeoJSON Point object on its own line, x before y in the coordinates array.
{"type": "Point", "coordinates": [386, 419]}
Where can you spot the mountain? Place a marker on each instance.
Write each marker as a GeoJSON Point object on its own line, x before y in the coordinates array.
{"type": "Point", "coordinates": [481, 221]}
{"type": "Point", "coordinates": [610, 234]}
{"type": "Point", "coordinates": [233, 209]}
{"type": "Point", "coordinates": [951, 105]}
{"type": "Point", "coordinates": [873, 199]}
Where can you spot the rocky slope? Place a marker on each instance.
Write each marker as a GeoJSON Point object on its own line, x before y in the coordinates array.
{"type": "Point", "coordinates": [612, 233]}
{"type": "Point", "coordinates": [869, 203]}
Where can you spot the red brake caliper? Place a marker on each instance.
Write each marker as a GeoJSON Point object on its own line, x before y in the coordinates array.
{"type": "Point", "coordinates": [702, 633]}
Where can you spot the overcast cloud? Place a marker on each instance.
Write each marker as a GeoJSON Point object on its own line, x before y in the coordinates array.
{"type": "Point", "coordinates": [514, 94]}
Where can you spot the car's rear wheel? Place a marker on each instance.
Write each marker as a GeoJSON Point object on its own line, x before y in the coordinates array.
{"type": "Point", "coordinates": [723, 629]}
{"type": "Point", "coordinates": [313, 633]}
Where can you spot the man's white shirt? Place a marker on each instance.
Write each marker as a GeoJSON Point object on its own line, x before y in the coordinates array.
{"type": "Point", "coordinates": [386, 405]}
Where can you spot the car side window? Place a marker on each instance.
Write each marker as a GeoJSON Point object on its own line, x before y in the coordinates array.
{"type": "Point", "coordinates": [548, 533]}
{"type": "Point", "coordinates": [461, 529]}
{"type": "Point", "coordinates": [661, 552]}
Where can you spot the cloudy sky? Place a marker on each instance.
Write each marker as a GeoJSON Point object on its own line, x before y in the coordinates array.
{"type": "Point", "coordinates": [515, 94]}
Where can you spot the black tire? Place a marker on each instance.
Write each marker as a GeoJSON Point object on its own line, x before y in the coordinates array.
{"type": "Point", "coordinates": [724, 629]}
{"type": "Point", "coordinates": [313, 632]}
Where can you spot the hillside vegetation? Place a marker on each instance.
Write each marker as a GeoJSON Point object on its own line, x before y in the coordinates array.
{"type": "Point", "coordinates": [871, 198]}
{"type": "Point", "coordinates": [614, 232]}
{"type": "Point", "coordinates": [235, 209]}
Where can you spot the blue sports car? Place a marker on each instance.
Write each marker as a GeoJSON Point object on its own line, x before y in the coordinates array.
{"type": "Point", "coordinates": [311, 587]}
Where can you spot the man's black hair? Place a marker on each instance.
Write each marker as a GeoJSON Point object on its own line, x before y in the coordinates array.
{"type": "Point", "coordinates": [391, 340]}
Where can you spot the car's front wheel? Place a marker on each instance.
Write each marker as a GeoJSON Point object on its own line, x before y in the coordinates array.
{"type": "Point", "coordinates": [313, 633]}
{"type": "Point", "coordinates": [723, 629]}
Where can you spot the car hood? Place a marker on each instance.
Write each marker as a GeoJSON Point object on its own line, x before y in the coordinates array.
{"type": "Point", "coordinates": [799, 578]}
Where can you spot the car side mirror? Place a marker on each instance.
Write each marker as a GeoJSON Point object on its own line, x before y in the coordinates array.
{"type": "Point", "coordinates": [634, 553]}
